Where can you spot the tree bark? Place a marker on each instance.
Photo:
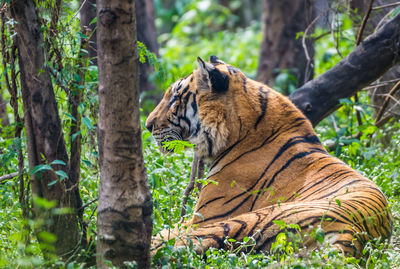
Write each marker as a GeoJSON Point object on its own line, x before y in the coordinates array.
{"type": "Point", "coordinates": [147, 34]}
{"type": "Point", "coordinates": [280, 49]}
{"type": "Point", "coordinates": [124, 220]}
{"type": "Point", "coordinates": [370, 60]}
{"type": "Point", "coordinates": [45, 140]}
{"type": "Point", "coordinates": [3, 112]}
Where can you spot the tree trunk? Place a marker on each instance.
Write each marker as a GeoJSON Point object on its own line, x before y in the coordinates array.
{"type": "Point", "coordinates": [369, 61]}
{"type": "Point", "coordinates": [124, 211]}
{"type": "Point", "coordinates": [87, 14]}
{"type": "Point", "coordinates": [147, 34]}
{"type": "Point", "coordinates": [3, 112]}
{"type": "Point", "coordinates": [45, 140]}
{"type": "Point", "coordinates": [281, 50]}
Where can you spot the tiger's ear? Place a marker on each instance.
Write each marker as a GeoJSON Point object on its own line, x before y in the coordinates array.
{"type": "Point", "coordinates": [215, 60]}
{"type": "Point", "coordinates": [210, 77]}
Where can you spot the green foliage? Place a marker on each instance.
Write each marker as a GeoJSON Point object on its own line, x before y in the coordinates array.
{"type": "Point", "coordinates": [191, 28]}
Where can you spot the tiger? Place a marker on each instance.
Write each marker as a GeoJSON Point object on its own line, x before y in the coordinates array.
{"type": "Point", "coordinates": [267, 166]}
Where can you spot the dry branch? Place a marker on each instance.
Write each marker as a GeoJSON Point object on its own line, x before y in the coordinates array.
{"type": "Point", "coordinates": [386, 101]}
{"type": "Point", "coordinates": [9, 176]}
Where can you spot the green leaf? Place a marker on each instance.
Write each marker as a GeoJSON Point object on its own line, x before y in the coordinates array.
{"type": "Point", "coordinates": [177, 145]}
{"type": "Point", "coordinates": [62, 174]}
{"type": "Point", "coordinates": [47, 237]}
{"type": "Point", "coordinates": [58, 162]}
{"type": "Point", "coordinates": [199, 215]}
{"type": "Point", "coordinates": [73, 137]}
{"type": "Point", "coordinates": [77, 78]}
{"type": "Point", "coordinates": [338, 202]}
{"type": "Point", "coordinates": [52, 183]}
{"type": "Point", "coordinates": [93, 21]}
{"type": "Point", "coordinates": [43, 202]}
{"type": "Point", "coordinates": [62, 210]}
{"type": "Point", "coordinates": [41, 167]}
{"type": "Point", "coordinates": [87, 162]}
{"type": "Point", "coordinates": [280, 223]}
{"type": "Point", "coordinates": [87, 123]}
{"type": "Point", "coordinates": [320, 235]}
{"type": "Point", "coordinates": [70, 116]}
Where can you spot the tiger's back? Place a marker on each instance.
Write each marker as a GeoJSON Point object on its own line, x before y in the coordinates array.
{"type": "Point", "coordinates": [268, 164]}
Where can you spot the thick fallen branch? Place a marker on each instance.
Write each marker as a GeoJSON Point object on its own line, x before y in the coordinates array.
{"type": "Point", "coordinates": [369, 61]}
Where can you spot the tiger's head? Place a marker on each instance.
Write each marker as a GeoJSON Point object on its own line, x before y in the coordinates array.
{"type": "Point", "coordinates": [213, 108]}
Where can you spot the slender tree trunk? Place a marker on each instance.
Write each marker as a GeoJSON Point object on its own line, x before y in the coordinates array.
{"type": "Point", "coordinates": [124, 211]}
{"type": "Point", "coordinates": [88, 13]}
{"type": "Point", "coordinates": [3, 112]}
{"type": "Point", "coordinates": [45, 140]}
{"type": "Point", "coordinates": [281, 49]}
{"type": "Point", "coordinates": [147, 34]}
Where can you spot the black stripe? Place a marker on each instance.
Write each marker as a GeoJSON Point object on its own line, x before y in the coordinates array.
{"type": "Point", "coordinates": [172, 101]}
{"type": "Point", "coordinates": [328, 186]}
{"type": "Point", "coordinates": [228, 212]}
{"type": "Point", "coordinates": [291, 142]}
{"type": "Point", "coordinates": [304, 189]}
{"type": "Point", "coordinates": [223, 154]}
{"type": "Point", "coordinates": [210, 144]}
{"type": "Point", "coordinates": [185, 120]}
{"type": "Point", "coordinates": [186, 101]}
{"type": "Point", "coordinates": [259, 220]}
{"type": "Point", "coordinates": [173, 123]}
{"type": "Point", "coordinates": [263, 98]}
{"type": "Point", "coordinates": [329, 164]}
{"type": "Point", "coordinates": [242, 227]}
{"type": "Point", "coordinates": [295, 157]}
{"type": "Point", "coordinates": [210, 201]}
{"type": "Point", "coordinates": [196, 131]}
{"type": "Point", "coordinates": [347, 244]}
{"type": "Point", "coordinates": [217, 239]}
{"type": "Point", "coordinates": [244, 84]}
{"type": "Point", "coordinates": [194, 105]}
{"type": "Point", "coordinates": [185, 90]}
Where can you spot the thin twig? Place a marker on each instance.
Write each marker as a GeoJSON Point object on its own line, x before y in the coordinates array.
{"type": "Point", "coordinates": [397, 102]}
{"type": "Point", "coordinates": [9, 176]}
{"type": "Point", "coordinates": [386, 102]}
{"type": "Point", "coordinates": [335, 127]}
{"type": "Point", "coordinates": [358, 114]}
{"type": "Point", "coordinates": [392, 113]}
{"type": "Point", "coordinates": [358, 41]}
{"type": "Point", "coordinates": [382, 121]}
{"type": "Point", "coordinates": [363, 23]}
{"type": "Point", "coordinates": [76, 13]}
{"type": "Point", "coordinates": [387, 5]}
{"type": "Point", "coordinates": [303, 42]}
{"type": "Point", "coordinates": [190, 186]}
{"type": "Point", "coordinates": [200, 173]}
{"type": "Point", "coordinates": [333, 35]}
{"type": "Point", "coordinates": [381, 84]}
{"type": "Point", "coordinates": [88, 204]}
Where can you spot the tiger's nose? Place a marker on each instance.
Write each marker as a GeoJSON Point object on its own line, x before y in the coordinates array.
{"type": "Point", "coordinates": [149, 125]}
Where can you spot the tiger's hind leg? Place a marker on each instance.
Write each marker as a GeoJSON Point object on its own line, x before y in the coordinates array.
{"type": "Point", "coordinates": [345, 227]}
